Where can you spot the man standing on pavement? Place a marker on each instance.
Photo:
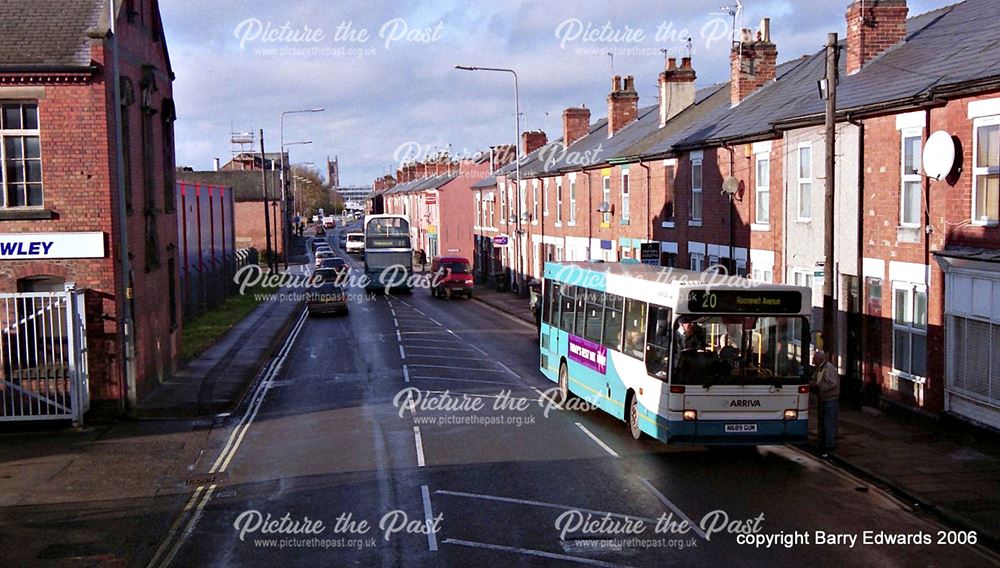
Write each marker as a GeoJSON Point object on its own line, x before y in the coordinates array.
{"type": "Point", "coordinates": [826, 383]}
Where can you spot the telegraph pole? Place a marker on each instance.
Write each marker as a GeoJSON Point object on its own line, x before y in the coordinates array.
{"type": "Point", "coordinates": [829, 267]}
{"type": "Point", "coordinates": [267, 214]}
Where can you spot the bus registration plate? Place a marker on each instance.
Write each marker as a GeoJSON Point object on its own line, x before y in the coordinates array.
{"type": "Point", "coordinates": [740, 428]}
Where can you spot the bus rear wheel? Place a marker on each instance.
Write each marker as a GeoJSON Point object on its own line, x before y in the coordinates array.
{"type": "Point", "coordinates": [633, 417]}
{"type": "Point", "coordinates": [563, 383]}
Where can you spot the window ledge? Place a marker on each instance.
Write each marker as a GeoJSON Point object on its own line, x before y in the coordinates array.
{"type": "Point", "coordinates": [667, 225]}
{"type": "Point", "coordinates": [803, 221]}
{"type": "Point", "coordinates": [624, 222]}
{"type": "Point", "coordinates": [558, 224]}
{"type": "Point", "coordinates": [694, 223]}
{"type": "Point", "coordinates": [762, 227]}
{"type": "Point", "coordinates": [26, 214]}
{"type": "Point", "coordinates": [976, 223]}
{"type": "Point", "coordinates": [908, 377]}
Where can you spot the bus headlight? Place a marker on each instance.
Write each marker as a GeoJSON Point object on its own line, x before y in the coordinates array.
{"type": "Point", "coordinates": [791, 415]}
{"type": "Point", "coordinates": [690, 415]}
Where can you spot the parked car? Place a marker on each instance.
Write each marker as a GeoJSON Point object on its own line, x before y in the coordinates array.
{"type": "Point", "coordinates": [329, 222]}
{"type": "Point", "coordinates": [320, 231]}
{"type": "Point", "coordinates": [355, 243]}
{"type": "Point", "coordinates": [327, 298]}
{"type": "Point", "coordinates": [317, 244]}
{"type": "Point", "coordinates": [452, 276]}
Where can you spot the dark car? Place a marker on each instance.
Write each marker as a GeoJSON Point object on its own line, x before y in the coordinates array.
{"type": "Point", "coordinates": [320, 231]}
{"type": "Point", "coordinates": [452, 276]}
{"type": "Point", "coordinates": [318, 243]}
{"type": "Point", "coordinates": [336, 264]}
{"type": "Point", "coordinates": [328, 297]}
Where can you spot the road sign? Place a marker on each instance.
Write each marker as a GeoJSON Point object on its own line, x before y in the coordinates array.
{"type": "Point", "coordinates": [649, 253]}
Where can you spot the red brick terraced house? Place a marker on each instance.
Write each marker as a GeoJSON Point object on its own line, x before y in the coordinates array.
{"type": "Point", "coordinates": [917, 255]}
{"type": "Point", "coordinates": [60, 95]}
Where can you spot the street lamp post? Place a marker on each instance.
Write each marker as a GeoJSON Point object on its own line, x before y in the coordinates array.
{"type": "Point", "coordinates": [521, 288]}
{"type": "Point", "coordinates": [284, 199]}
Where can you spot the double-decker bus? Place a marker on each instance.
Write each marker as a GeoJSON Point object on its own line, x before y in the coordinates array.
{"type": "Point", "coordinates": [682, 356]}
{"type": "Point", "coordinates": [388, 254]}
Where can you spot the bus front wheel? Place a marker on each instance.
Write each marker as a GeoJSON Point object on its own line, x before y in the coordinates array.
{"type": "Point", "coordinates": [563, 383]}
{"type": "Point", "coordinates": [633, 417]}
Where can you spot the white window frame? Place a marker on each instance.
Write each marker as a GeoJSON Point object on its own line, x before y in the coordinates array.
{"type": "Point", "coordinates": [802, 181]}
{"type": "Point", "coordinates": [19, 133]}
{"type": "Point", "coordinates": [696, 261]}
{"type": "Point", "coordinates": [545, 197]}
{"type": "Point", "coordinates": [697, 187]}
{"type": "Point", "coordinates": [981, 171]}
{"type": "Point", "coordinates": [911, 289]}
{"type": "Point", "coordinates": [909, 178]}
{"type": "Point", "coordinates": [559, 202]}
{"type": "Point", "coordinates": [534, 202]}
{"type": "Point", "coordinates": [503, 203]}
{"type": "Point", "coordinates": [572, 202]}
{"type": "Point", "coordinates": [626, 200]}
{"type": "Point", "coordinates": [762, 191]}
{"type": "Point", "coordinates": [762, 275]}
{"type": "Point", "coordinates": [492, 210]}
{"type": "Point", "coordinates": [606, 187]}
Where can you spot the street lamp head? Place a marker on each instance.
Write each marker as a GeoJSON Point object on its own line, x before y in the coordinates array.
{"type": "Point", "coordinates": [465, 68]}
{"type": "Point", "coordinates": [320, 109]}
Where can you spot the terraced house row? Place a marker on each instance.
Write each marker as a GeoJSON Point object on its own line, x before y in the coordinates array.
{"type": "Point", "coordinates": [917, 258]}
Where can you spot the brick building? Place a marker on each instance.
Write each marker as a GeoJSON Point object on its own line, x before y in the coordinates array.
{"type": "Point", "coordinates": [60, 171]}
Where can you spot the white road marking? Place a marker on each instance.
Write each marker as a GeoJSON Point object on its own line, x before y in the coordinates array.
{"type": "Point", "coordinates": [395, 322]}
{"type": "Point", "coordinates": [402, 355]}
{"type": "Point", "coordinates": [507, 368]}
{"type": "Point", "coordinates": [539, 504]}
{"type": "Point", "coordinates": [420, 446]}
{"type": "Point", "coordinates": [437, 348]}
{"type": "Point", "coordinates": [432, 541]}
{"type": "Point", "coordinates": [472, 345]}
{"type": "Point", "coordinates": [598, 440]}
{"type": "Point", "coordinates": [530, 552]}
{"type": "Point", "coordinates": [449, 341]}
{"type": "Point", "coordinates": [399, 337]}
{"type": "Point", "coordinates": [406, 374]}
{"type": "Point", "coordinates": [459, 368]}
{"type": "Point", "coordinates": [663, 499]}
{"type": "Point", "coordinates": [514, 319]}
{"type": "Point", "coordinates": [225, 456]}
{"type": "Point", "coordinates": [452, 379]}
{"type": "Point", "coordinates": [548, 398]}
{"type": "Point", "coordinates": [435, 321]}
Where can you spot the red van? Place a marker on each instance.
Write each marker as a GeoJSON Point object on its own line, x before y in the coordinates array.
{"type": "Point", "coordinates": [452, 276]}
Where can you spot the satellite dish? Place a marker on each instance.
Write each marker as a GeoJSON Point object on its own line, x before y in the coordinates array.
{"type": "Point", "coordinates": [730, 186]}
{"type": "Point", "coordinates": [603, 207]}
{"type": "Point", "coordinates": [939, 155]}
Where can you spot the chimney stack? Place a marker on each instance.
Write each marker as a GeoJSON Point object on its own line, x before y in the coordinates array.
{"type": "Point", "coordinates": [623, 104]}
{"type": "Point", "coordinates": [576, 124]}
{"type": "Point", "coordinates": [215, 164]}
{"type": "Point", "coordinates": [873, 26]}
{"type": "Point", "coordinates": [419, 170]}
{"type": "Point", "coordinates": [503, 155]}
{"type": "Point", "coordinates": [677, 88]}
{"type": "Point", "coordinates": [533, 140]}
{"type": "Point", "coordinates": [752, 63]}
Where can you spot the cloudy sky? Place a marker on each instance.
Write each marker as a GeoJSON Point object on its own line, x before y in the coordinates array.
{"type": "Point", "coordinates": [384, 70]}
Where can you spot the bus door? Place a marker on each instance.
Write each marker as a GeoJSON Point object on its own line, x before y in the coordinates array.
{"type": "Point", "coordinates": [659, 331]}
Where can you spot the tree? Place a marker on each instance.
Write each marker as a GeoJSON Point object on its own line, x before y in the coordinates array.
{"type": "Point", "coordinates": [312, 193]}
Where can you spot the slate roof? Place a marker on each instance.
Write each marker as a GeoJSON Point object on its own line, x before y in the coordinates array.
{"type": "Point", "coordinates": [246, 184]}
{"type": "Point", "coordinates": [486, 182]}
{"type": "Point", "coordinates": [945, 47]}
{"type": "Point", "coordinates": [422, 184]}
{"type": "Point", "coordinates": [47, 34]}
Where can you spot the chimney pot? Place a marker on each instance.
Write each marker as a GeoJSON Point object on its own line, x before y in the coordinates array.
{"type": "Point", "coordinates": [765, 30]}
{"type": "Point", "coordinates": [616, 84]}
{"type": "Point", "coordinates": [686, 63]}
{"type": "Point", "coordinates": [630, 83]}
{"type": "Point", "coordinates": [671, 63]}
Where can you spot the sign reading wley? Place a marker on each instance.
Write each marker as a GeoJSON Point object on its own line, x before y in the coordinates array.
{"type": "Point", "coordinates": [51, 245]}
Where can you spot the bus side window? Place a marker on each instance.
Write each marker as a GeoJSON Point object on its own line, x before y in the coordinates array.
{"type": "Point", "coordinates": [567, 300]}
{"type": "Point", "coordinates": [635, 328]}
{"type": "Point", "coordinates": [659, 330]}
{"type": "Point", "coordinates": [550, 303]}
{"type": "Point", "coordinates": [581, 311]}
{"type": "Point", "coordinates": [613, 306]}
{"type": "Point", "coordinates": [594, 325]}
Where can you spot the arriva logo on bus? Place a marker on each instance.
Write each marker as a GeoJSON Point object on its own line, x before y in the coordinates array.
{"type": "Point", "coordinates": [744, 403]}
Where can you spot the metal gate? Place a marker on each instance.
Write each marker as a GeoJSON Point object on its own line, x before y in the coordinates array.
{"type": "Point", "coordinates": [43, 356]}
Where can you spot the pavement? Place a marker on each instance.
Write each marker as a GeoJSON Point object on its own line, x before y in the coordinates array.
{"type": "Point", "coordinates": [929, 465]}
